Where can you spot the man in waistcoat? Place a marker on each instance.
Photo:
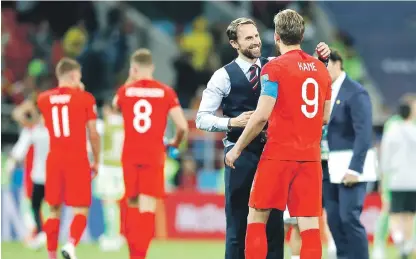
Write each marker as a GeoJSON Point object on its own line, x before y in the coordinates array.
{"type": "Point", "coordinates": [236, 88]}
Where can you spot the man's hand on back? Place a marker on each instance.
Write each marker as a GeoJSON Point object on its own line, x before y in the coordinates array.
{"type": "Point", "coordinates": [241, 120]}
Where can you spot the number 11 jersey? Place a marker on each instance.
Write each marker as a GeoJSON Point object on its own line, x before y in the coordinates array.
{"type": "Point", "coordinates": [145, 105]}
{"type": "Point", "coordinates": [66, 111]}
{"type": "Point", "coordinates": [295, 125]}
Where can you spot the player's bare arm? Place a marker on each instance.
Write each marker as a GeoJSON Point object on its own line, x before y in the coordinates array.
{"type": "Point", "coordinates": [327, 111]}
{"type": "Point", "coordinates": [178, 117]}
{"type": "Point", "coordinates": [254, 126]}
{"type": "Point", "coordinates": [257, 122]}
{"type": "Point", "coordinates": [94, 137]}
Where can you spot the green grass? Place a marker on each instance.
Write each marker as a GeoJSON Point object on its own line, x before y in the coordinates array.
{"type": "Point", "coordinates": [159, 250]}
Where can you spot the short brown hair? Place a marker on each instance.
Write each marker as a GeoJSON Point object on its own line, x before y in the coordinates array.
{"type": "Point", "coordinates": [142, 57]}
{"type": "Point", "coordinates": [290, 26]}
{"type": "Point", "coordinates": [66, 65]}
{"type": "Point", "coordinates": [233, 27]}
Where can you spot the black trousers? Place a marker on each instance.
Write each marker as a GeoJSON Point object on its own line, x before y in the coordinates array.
{"type": "Point", "coordinates": [38, 195]}
{"type": "Point", "coordinates": [238, 183]}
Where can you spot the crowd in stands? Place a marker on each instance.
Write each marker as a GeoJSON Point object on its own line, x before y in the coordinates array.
{"type": "Point", "coordinates": [37, 34]}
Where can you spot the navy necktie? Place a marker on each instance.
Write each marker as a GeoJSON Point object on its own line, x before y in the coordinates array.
{"type": "Point", "coordinates": [254, 78]}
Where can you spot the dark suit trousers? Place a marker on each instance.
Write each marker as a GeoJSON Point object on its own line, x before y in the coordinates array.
{"type": "Point", "coordinates": [237, 192]}
{"type": "Point", "coordinates": [343, 206]}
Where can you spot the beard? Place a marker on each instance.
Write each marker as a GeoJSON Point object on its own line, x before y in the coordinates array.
{"type": "Point", "coordinates": [251, 53]}
{"type": "Point", "coordinates": [278, 53]}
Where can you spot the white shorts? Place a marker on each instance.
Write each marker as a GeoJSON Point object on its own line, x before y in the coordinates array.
{"type": "Point", "coordinates": [289, 220]}
{"type": "Point", "coordinates": [109, 183]}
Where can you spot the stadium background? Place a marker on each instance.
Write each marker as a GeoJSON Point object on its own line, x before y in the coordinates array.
{"type": "Point", "coordinates": [188, 42]}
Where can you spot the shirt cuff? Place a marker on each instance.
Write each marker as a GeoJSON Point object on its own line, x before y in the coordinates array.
{"type": "Point", "coordinates": [222, 124]}
{"type": "Point", "coordinates": [349, 171]}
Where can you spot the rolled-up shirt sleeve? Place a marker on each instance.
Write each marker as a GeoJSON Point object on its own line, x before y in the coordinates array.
{"type": "Point", "coordinates": [22, 146]}
{"type": "Point", "coordinates": [218, 88]}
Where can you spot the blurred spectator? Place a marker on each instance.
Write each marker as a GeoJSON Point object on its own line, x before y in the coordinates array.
{"type": "Point", "coordinates": [115, 40]}
{"type": "Point", "coordinates": [199, 42]}
{"type": "Point", "coordinates": [42, 41]}
{"type": "Point", "coordinates": [185, 179]}
{"type": "Point", "coordinates": [196, 100]}
{"type": "Point", "coordinates": [26, 88]}
{"type": "Point", "coordinates": [186, 78]}
{"type": "Point", "coordinates": [75, 40]}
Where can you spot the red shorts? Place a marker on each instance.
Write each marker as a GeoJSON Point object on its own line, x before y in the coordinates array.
{"type": "Point", "coordinates": [144, 179]}
{"type": "Point", "coordinates": [296, 184]}
{"type": "Point", "coordinates": [68, 180]}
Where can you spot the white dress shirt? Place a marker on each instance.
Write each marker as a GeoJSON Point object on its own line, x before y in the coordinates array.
{"type": "Point", "coordinates": [39, 137]}
{"type": "Point", "coordinates": [336, 86]}
{"type": "Point", "coordinates": [218, 87]}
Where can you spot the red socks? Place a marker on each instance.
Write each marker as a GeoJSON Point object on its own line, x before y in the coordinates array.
{"type": "Point", "coordinates": [79, 222]}
{"type": "Point", "coordinates": [51, 229]}
{"type": "Point", "coordinates": [140, 231]}
{"type": "Point", "coordinates": [256, 241]}
{"type": "Point", "coordinates": [311, 244]}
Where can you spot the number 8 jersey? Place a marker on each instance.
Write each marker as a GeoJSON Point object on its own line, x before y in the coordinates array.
{"type": "Point", "coordinates": [66, 112]}
{"type": "Point", "coordinates": [301, 84]}
{"type": "Point", "coordinates": [145, 105]}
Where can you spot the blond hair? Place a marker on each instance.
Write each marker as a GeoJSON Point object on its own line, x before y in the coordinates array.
{"type": "Point", "coordinates": [66, 65]}
{"type": "Point", "coordinates": [142, 57]}
{"type": "Point", "coordinates": [290, 26]}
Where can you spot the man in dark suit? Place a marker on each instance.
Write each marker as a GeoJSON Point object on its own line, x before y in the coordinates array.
{"type": "Point", "coordinates": [349, 128]}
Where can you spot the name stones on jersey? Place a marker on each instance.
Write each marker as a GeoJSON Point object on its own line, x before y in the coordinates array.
{"type": "Point", "coordinates": [310, 66]}
{"type": "Point", "coordinates": [145, 92]}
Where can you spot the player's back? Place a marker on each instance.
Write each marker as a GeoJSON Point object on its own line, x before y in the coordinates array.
{"type": "Point", "coordinates": [295, 126]}
{"type": "Point", "coordinates": [66, 112]}
{"type": "Point", "coordinates": [145, 106]}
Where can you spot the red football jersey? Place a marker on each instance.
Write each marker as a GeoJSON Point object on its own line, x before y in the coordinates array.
{"type": "Point", "coordinates": [66, 112]}
{"type": "Point", "coordinates": [295, 125]}
{"type": "Point", "coordinates": [145, 105]}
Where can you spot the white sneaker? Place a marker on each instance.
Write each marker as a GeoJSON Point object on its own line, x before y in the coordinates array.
{"type": "Point", "coordinates": [378, 253]}
{"type": "Point", "coordinates": [68, 251]}
{"type": "Point", "coordinates": [38, 241]}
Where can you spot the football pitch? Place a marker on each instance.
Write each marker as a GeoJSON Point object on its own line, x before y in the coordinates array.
{"type": "Point", "coordinates": [159, 250]}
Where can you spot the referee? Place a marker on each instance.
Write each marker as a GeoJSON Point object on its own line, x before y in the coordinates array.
{"type": "Point", "coordinates": [236, 88]}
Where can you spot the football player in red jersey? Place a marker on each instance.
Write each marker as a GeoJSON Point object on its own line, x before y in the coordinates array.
{"type": "Point", "coordinates": [145, 105]}
{"type": "Point", "coordinates": [295, 100]}
{"type": "Point", "coordinates": [67, 111]}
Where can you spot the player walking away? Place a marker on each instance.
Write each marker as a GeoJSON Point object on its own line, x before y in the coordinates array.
{"type": "Point", "coordinates": [398, 153]}
{"type": "Point", "coordinates": [145, 105]}
{"type": "Point", "coordinates": [382, 230]}
{"type": "Point", "coordinates": [110, 183]}
{"type": "Point", "coordinates": [67, 111]}
{"type": "Point", "coordinates": [35, 136]}
{"type": "Point", "coordinates": [295, 99]}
